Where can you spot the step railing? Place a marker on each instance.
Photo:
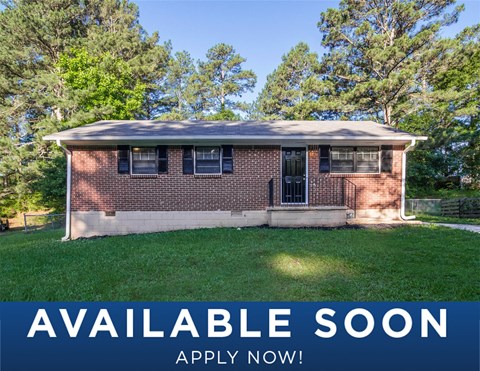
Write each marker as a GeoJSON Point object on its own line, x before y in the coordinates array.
{"type": "Point", "coordinates": [291, 191]}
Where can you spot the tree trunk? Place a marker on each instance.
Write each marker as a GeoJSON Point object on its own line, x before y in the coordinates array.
{"type": "Point", "coordinates": [222, 93]}
{"type": "Point", "coordinates": [57, 113]}
{"type": "Point", "coordinates": [387, 115]}
{"type": "Point", "coordinates": [58, 91]}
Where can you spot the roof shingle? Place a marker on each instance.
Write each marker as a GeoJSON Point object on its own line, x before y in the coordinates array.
{"type": "Point", "coordinates": [268, 131]}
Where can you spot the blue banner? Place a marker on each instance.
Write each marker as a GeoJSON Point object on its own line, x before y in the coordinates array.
{"type": "Point", "coordinates": [215, 335]}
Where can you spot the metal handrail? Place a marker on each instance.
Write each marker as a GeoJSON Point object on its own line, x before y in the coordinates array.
{"type": "Point", "coordinates": [317, 191]}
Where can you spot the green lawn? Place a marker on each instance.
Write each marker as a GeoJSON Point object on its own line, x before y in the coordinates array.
{"type": "Point", "coordinates": [417, 263]}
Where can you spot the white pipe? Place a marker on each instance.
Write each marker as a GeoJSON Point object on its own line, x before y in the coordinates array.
{"type": "Point", "coordinates": [404, 176]}
{"type": "Point", "coordinates": [69, 190]}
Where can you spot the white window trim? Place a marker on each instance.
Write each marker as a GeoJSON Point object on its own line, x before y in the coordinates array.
{"type": "Point", "coordinates": [195, 161]}
{"type": "Point", "coordinates": [354, 155]}
{"type": "Point", "coordinates": [143, 174]}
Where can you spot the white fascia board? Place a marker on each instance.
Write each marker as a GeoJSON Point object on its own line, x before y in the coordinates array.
{"type": "Point", "coordinates": [229, 139]}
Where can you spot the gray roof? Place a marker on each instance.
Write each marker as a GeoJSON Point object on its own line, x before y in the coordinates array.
{"type": "Point", "coordinates": [252, 132]}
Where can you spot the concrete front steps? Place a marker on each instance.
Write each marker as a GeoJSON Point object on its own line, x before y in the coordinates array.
{"type": "Point", "coordinates": [304, 216]}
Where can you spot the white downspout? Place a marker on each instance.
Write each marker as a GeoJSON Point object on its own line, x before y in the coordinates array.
{"type": "Point", "coordinates": [404, 176]}
{"type": "Point", "coordinates": [69, 191]}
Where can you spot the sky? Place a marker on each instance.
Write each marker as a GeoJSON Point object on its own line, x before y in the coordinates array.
{"type": "Point", "coordinates": [260, 31]}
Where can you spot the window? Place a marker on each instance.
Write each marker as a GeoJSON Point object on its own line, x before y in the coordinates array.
{"type": "Point", "coordinates": [342, 160]}
{"type": "Point", "coordinates": [144, 160]}
{"type": "Point", "coordinates": [207, 160]}
{"type": "Point", "coordinates": [367, 160]}
{"type": "Point", "coordinates": [355, 160]}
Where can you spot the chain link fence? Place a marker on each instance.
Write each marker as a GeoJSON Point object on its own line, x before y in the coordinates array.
{"type": "Point", "coordinates": [416, 206]}
{"type": "Point", "coordinates": [34, 222]}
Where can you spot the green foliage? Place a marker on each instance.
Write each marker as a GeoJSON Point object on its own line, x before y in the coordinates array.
{"type": "Point", "coordinates": [223, 115]}
{"type": "Point", "coordinates": [179, 88]}
{"type": "Point", "coordinates": [104, 84]}
{"type": "Point", "coordinates": [221, 76]}
{"type": "Point", "coordinates": [172, 116]}
{"type": "Point", "coordinates": [62, 64]}
{"type": "Point", "coordinates": [450, 116]}
{"type": "Point", "coordinates": [51, 183]}
{"type": "Point", "coordinates": [379, 55]}
{"type": "Point", "coordinates": [287, 93]}
{"type": "Point", "coordinates": [447, 219]}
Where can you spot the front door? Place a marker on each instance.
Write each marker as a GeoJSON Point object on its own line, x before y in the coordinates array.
{"type": "Point", "coordinates": [293, 175]}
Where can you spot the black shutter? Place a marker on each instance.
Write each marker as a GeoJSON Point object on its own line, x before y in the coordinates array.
{"type": "Point", "coordinates": [227, 159]}
{"type": "Point", "coordinates": [162, 159]}
{"type": "Point", "coordinates": [387, 159]}
{"type": "Point", "coordinates": [123, 155]}
{"type": "Point", "coordinates": [324, 152]}
{"type": "Point", "coordinates": [188, 159]}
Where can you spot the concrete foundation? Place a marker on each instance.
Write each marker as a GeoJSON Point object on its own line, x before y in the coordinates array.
{"type": "Point", "coordinates": [100, 223]}
{"type": "Point", "coordinates": [96, 223]}
{"type": "Point", "coordinates": [381, 214]}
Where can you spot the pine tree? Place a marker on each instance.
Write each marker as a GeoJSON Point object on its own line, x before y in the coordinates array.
{"type": "Point", "coordinates": [287, 93]}
{"type": "Point", "coordinates": [450, 116]}
{"type": "Point", "coordinates": [178, 87]}
{"type": "Point", "coordinates": [223, 77]}
{"type": "Point", "coordinates": [376, 50]}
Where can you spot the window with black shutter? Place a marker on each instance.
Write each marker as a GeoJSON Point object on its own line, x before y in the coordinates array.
{"type": "Point", "coordinates": [162, 159]}
{"type": "Point", "coordinates": [227, 159]}
{"type": "Point", "coordinates": [123, 155]}
{"type": "Point", "coordinates": [387, 159]}
{"type": "Point", "coordinates": [188, 159]}
{"type": "Point", "coordinates": [207, 160]}
{"type": "Point", "coordinates": [324, 159]}
{"type": "Point", "coordinates": [144, 160]}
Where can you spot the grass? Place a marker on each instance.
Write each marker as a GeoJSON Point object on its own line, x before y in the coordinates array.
{"type": "Point", "coordinates": [446, 219]}
{"type": "Point", "coordinates": [417, 263]}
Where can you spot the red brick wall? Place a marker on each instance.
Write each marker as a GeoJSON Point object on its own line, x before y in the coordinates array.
{"type": "Point", "coordinates": [374, 191]}
{"type": "Point", "coordinates": [96, 185]}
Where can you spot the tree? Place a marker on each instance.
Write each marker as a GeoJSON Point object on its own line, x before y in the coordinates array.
{"type": "Point", "coordinates": [223, 77]}
{"type": "Point", "coordinates": [35, 97]}
{"type": "Point", "coordinates": [456, 99]}
{"type": "Point", "coordinates": [103, 86]}
{"type": "Point", "coordinates": [178, 87]}
{"type": "Point", "coordinates": [223, 115]}
{"type": "Point", "coordinates": [286, 94]}
{"type": "Point", "coordinates": [376, 50]}
{"type": "Point", "coordinates": [450, 116]}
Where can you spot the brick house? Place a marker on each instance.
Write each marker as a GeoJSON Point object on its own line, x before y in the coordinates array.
{"type": "Point", "coordinates": [146, 176]}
